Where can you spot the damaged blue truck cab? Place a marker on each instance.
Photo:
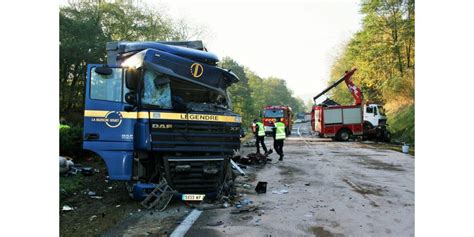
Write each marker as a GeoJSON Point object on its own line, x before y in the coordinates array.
{"type": "Point", "coordinates": [160, 111]}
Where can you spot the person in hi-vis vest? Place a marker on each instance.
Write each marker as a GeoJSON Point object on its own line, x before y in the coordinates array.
{"type": "Point", "coordinates": [259, 136]}
{"type": "Point", "coordinates": [279, 136]}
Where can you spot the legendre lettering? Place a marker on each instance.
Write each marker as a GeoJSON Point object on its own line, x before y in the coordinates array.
{"type": "Point", "coordinates": [199, 117]}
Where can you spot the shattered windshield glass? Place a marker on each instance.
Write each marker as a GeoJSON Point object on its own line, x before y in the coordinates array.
{"type": "Point", "coordinates": [156, 91]}
{"type": "Point", "coordinates": [165, 92]}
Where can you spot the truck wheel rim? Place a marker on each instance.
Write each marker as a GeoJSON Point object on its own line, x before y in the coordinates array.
{"type": "Point", "coordinates": [344, 136]}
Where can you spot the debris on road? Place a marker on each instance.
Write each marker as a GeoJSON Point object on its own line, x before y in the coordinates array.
{"type": "Point", "coordinates": [92, 217]}
{"type": "Point", "coordinates": [235, 166]}
{"type": "Point", "coordinates": [249, 143]}
{"type": "Point", "coordinates": [67, 208]}
{"type": "Point", "coordinates": [97, 197]}
{"type": "Point", "coordinates": [283, 191]}
{"type": "Point", "coordinates": [261, 187]}
{"type": "Point", "coordinates": [257, 222]}
{"type": "Point", "coordinates": [65, 163]}
{"type": "Point", "coordinates": [88, 171]}
{"type": "Point", "coordinates": [257, 158]}
{"type": "Point", "coordinates": [68, 168]}
{"type": "Point", "coordinates": [246, 186]}
{"type": "Point", "coordinates": [249, 208]}
{"type": "Point", "coordinates": [217, 223]}
{"type": "Point", "coordinates": [251, 159]}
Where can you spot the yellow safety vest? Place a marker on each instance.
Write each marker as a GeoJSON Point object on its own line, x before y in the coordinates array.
{"type": "Point", "coordinates": [280, 131]}
{"type": "Point", "coordinates": [261, 129]}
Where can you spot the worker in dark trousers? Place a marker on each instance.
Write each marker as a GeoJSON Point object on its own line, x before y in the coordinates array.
{"type": "Point", "coordinates": [279, 136]}
{"type": "Point", "coordinates": [260, 136]}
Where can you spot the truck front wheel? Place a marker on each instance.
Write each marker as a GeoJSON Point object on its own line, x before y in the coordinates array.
{"type": "Point", "coordinates": [343, 135]}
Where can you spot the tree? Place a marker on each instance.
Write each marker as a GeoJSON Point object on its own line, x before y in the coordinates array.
{"type": "Point", "coordinates": [383, 52]}
{"type": "Point", "coordinates": [86, 27]}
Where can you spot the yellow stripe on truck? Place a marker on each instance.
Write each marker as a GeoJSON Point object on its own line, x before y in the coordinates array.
{"type": "Point", "coordinates": [95, 113]}
{"type": "Point", "coordinates": [196, 117]}
{"type": "Point", "coordinates": [167, 116]}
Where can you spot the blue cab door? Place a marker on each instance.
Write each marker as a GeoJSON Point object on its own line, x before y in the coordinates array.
{"type": "Point", "coordinates": [108, 129]}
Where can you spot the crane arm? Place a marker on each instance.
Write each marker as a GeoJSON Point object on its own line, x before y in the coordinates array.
{"type": "Point", "coordinates": [355, 91]}
{"type": "Point", "coordinates": [345, 77]}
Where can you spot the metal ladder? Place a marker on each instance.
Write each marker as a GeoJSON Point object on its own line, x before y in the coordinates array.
{"type": "Point", "coordinates": [160, 197]}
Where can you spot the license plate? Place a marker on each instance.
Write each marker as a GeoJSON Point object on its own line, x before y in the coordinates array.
{"type": "Point", "coordinates": [193, 197]}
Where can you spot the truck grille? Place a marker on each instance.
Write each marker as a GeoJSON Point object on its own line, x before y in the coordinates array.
{"type": "Point", "coordinates": [194, 152]}
{"type": "Point", "coordinates": [195, 179]}
{"type": "Point", "coordinates": [191, 136]}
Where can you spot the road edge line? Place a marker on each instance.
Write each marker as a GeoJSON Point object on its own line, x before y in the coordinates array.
{"type": "Point", "coordinates": [183, 228]}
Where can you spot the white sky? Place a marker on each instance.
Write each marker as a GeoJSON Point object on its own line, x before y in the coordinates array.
{"type": "Point", "coordinates": [293, 40]}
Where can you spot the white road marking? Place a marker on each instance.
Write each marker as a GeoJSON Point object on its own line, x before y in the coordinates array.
{"type": "Point", "coordinates": [183, 228]}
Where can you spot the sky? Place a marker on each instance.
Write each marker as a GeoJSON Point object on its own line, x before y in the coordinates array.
{"type": "Point", "coordinates": [293, 40]}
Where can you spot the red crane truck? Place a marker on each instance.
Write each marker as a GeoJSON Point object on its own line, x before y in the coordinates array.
{"type": "Point", "coordinates": [272, 112]}
{"type": "Point", "coordinates": [341, 122]}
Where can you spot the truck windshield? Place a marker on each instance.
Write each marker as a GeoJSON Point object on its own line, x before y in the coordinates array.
{"type": "Point", "coordinates": [269, 113]}
{"type": "Point", "coordinates": [164, 92]}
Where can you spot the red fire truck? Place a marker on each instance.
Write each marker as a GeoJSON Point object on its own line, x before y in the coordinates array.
{"type": "Point", "coordinates": [272, 112]}
{"type": "Point", "coordinates": [341, 122]}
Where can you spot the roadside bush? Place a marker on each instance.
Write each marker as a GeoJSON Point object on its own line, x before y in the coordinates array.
{"type": "Point", "coordinates": [70, 141]}
{"type": "Point", "coordinates": [402, 124]}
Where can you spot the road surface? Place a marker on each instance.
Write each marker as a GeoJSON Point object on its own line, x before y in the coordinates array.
{"type": "Point", "coordinates": [322, 188]}
{"type": "Point", "coordinates": [334, 189]}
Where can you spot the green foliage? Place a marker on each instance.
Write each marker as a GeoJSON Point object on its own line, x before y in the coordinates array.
{"type": "Point", "coordinates": [252, 93]}
{"type": "Point", "coordinates": [70, 141]}
{"type": "Point", "coordinates": [239, 92]}
{"type": "Point", "coordinates": [384, 54]}
{"type": "Point", "coordinates": [72, 184]}
{"type": "Point", "coordinates": [402, 124]}
{"type": "Point", "coordinates": [86, 26]}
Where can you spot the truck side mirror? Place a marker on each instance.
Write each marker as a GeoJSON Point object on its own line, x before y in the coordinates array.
{"type": "Point", "coordinates": [130, 98]}
{"type": "Point", "coordinates": [131, 78]}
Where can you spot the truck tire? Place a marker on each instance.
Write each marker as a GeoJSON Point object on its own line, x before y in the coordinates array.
{"type": "Point", "coordinates": [343, 135]}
